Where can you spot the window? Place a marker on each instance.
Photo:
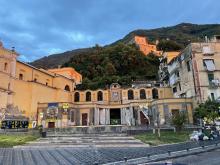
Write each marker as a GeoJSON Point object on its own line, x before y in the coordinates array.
{"type": "Point", "coordinates": [130, 94]}
{"type": "Point", "coordinates": [88, 96]}
{"type": "Point", "coordinates": [210, 77]}
{"type": "Point", "coordinates": [188, 66]}
{"type": "Point", "coordinates": [209, 64]}
{"type": "Point", "coordinates": [177, 74]}
{"type": "Point", "coordinates": [142, 94]}
{"type": "Point", "coordinates": [100, 96]}
{"type": "Point", "coordinates": [6, 66]}
{"type": "Point", "coordinates": [206, 50]}
{"type": "Point", "coordinates": [76, 97]}
{"type": "Point", "coordinates": [67, 88]}
{"type": "Point", "coordinates": [174, 90]}
{"type": "Point", "coordinates": [213, 96]}
{"type": "Point", "coordinates": [155, 93]}
{"type": "Point", "coordinates": [21, 76]}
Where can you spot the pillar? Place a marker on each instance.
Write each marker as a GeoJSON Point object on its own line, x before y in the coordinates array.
{"type": "Point", "coordinates": [96, 116]}
{"type": "Point", "coordinates": [107, 116]}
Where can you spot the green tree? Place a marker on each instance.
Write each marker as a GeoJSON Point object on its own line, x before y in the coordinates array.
{"type": "Point", "coordinates": [209, 110]}
{"type": "Point", "coordinates": [168, 45]}
{"type": "Point", "coordinates": [179, 120]}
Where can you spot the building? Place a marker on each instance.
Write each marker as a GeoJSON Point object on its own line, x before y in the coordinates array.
{"type": "Point", "coordinates": [24, 86]}
{"type": "Point", "coordinates": [49, 98]}
{"type": "Point", "coordinates": [144, 46]}
{"type": "Point", "coordinates": [195, 72]}
{"type": "Point", "coordinates": [114, 106]}
{"type": "Point", "coordinates": [163, 73]}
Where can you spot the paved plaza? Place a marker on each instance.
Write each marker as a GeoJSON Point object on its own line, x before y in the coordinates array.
{"type": "Point", "coordinates": [86, 149]}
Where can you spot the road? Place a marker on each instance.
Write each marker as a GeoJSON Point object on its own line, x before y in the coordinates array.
{"type": "Point", "coordinates": [206, 158]}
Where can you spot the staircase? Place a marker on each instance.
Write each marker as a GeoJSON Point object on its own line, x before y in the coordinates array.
{"type": "Point", "coordinates": [58, 140]}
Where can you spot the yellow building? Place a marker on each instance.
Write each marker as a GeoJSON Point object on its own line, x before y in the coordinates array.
{"type": "Point", "coordinates": [114, 106]}
{"type": "Point", "coordinates": [24, 86]}
{"type": "Point", "coordinates": [49, 98]}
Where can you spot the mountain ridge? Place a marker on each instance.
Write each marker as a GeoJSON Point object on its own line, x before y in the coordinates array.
{"type": "Point", "coordinates": [182, 33]}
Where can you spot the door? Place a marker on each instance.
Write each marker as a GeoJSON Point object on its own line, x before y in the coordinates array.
{"type": "Point", "coordinates": [84, 119]}
{"type": "Point", "coordinates": [51, 124]}
{"type": "Point", "coordinates": [144, 120]}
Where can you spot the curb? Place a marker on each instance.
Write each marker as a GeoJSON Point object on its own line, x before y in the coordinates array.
{"type": "Point", "coordinates": [168, 155]}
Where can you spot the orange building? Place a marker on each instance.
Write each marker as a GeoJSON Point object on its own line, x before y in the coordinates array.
{"type": "Point", "coordinates": [144, 45]}
{"type": "Point", "coordinates": [69, 73]}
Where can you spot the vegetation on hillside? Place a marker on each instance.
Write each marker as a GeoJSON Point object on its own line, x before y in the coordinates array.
{"type": "Point", "coordinates": [179, 36]}
{"type": "Point", "coordinates": [120, 63]}
{"type": "Point", "coordinates": [182, 34]}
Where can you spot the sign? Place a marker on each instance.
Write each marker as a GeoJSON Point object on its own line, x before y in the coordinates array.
{"type": "Point", "coordinates": [52, 110]}
{"type": "Point", "coordinates": [41, 114]}
{"type": "Point", "coordinates": [65, 105]}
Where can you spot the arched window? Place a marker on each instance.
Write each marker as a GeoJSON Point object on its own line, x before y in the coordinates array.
{"type": "Point", "coordinates": [67, 88]}
{"type": "Point", "coordinates": [142, 94]}
{"type": "Point", "coordinates": [6, 66]}
{"type": "Point", "coordinates": [76, 97]}
{"type": "Point", "coordinates": [21, 76]}
{"type": "Point", "coordinates": [155, 93]}
{"type": "Point", "coordinates": [88, 96]}
{"type": "Point", "coordinates": [130, 94]}
{"type": "Point", "coordinates": [100, 96]}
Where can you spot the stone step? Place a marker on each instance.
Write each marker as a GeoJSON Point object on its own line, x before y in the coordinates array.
{"type": "Point", "coordinates": [83, 146]}
{"type": "Point", "coordinates": [86, 138]}
{"type": "Point", "coordinates": [84, 142]}
{"type": "Point", "coordinates": [84, 135]}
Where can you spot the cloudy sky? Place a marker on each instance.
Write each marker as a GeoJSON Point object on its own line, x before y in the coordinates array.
{"type": "Point", "coordinates": [38, 28]}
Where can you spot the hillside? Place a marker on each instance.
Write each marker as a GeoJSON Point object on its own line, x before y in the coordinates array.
{"type": "Point", "coordinates": [54, 60]}
{"type": "Point", "coordinates": [119, 63]}
{"type": "Point", "coordinates": [182, 34]}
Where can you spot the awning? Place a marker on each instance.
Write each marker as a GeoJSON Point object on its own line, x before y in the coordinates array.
{"type": "Point", "coordinates": [210, 66]}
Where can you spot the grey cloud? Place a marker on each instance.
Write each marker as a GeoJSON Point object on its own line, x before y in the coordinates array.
{"type": "Point", "coordinates": [38, 28]}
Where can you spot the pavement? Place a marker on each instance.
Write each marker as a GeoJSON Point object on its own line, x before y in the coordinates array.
{"type": "Point", "coordinates": [206, 158]}
{"type": "Point", "coordinates": [92, 149]}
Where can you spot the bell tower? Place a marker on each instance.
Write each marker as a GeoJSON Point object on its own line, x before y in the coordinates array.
{"type": "Point", "coordinates": [7, 75]}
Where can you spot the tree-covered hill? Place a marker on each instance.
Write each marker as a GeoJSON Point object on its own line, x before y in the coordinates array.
{"type": "Point", "coordinates": [179, 36]}
{"type": "Point", "coordinates": [119, 63]}
{"type": "Point", "coordinates": [182, 34]}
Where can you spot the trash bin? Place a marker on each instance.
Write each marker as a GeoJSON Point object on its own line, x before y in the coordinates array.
{"type": "Point", "coordinates": [44, 134]}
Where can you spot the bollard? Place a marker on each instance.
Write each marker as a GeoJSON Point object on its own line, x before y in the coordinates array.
{"type": "Point", "coordinates": [125, 159]}
{"type": "Point", "coordinates": [203, 146]}
{"type": "Point", "coordinates": [187, 149]}
{"type": "Point", "coordinates": [148, 156]}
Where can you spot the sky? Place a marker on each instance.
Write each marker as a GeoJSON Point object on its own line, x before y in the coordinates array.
{"type": "Point", "coordinates": [38, 28]}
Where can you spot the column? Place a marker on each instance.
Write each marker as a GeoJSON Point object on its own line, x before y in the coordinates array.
{"type": "Point", "coordinates": [107, 116]}
{"type": "Point", "coordinates": [123, 116]}
{"type": "Point", "coordinates": [96, 116]}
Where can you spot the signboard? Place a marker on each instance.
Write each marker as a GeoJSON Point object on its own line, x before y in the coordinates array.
{"type": "Point", "coordinates": [65, 105]}
{"type": "Point", "coordinates": [52, 110]}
